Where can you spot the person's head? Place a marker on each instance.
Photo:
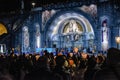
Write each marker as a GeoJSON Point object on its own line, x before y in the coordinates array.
{"type": "Point", "coordinates": [43, 61]}
{"type": "Point", "coordinates": [70, 54]}
{"type": "Point", "coordinates": [91, 62]}
{"type": "Point", "coordinates": [100, 59]}
{"type": "Point", "coordinates": [60, 60]}
{"type": "Point", "coordinates": [104, 23]}
{"type": "Point", "coordinates": [113, 56]}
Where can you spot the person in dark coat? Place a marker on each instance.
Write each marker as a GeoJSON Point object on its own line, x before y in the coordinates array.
{"type": "Point", "coordinates": [89, 73]}
{"type": "Point", "coordinates": [112, 70]}
{"type": "Point", "coordinates": [41, 72]}
{"type": "Point", "coordinates": [60, 70]}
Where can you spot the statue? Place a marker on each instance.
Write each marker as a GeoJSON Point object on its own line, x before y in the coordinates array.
{"type": "Point", "coordinates": [104, 35]}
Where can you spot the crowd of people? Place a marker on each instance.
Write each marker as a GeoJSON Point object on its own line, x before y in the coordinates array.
{"type": "Point", "coordinates": [72, 66]}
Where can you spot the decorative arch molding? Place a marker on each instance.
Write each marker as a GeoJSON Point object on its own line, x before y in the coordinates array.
{"type": "Point", "coordinates": [54, 25]}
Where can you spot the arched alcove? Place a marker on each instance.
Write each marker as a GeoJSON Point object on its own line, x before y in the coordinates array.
{"type": "Point", "coordinates": [56, 26]}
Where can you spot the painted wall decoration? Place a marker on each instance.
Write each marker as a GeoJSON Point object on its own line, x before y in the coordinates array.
{"type": "Point", "coordinates": [92, 9]}
{"type": "Point", "coordinates": [25, 38]}
{"type": "Point", "coordinates": [46, 15]}
{"type": "Point", "coordinates": [73, 27]}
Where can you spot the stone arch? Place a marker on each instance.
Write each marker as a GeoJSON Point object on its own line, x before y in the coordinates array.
{"type": "Point", "coordinates": [78, 11]}
{"type": "Point", "coordinates": [54, 25]}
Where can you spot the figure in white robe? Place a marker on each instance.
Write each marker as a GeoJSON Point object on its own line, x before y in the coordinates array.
{"type": "Point", "coordinates": [104, 36]}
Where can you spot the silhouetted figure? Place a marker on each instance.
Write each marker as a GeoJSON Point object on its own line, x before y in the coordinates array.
{"type": "Point", "coordinates": [89, 73]}
{"type": "Point", "coordinates": [60, 70]}
{"type": "Point", "coordinates": [112, 70]}
{"type": "Point", "coordinates": [42, 71]}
